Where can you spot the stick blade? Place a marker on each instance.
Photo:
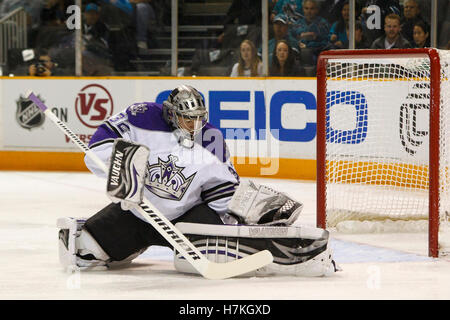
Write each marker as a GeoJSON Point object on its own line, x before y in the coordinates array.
{"type": "Point", "coordinates": [219, 271]}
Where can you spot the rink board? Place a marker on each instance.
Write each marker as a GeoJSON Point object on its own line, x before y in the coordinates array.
{"type": "Point", "coordinates": [269, 123]}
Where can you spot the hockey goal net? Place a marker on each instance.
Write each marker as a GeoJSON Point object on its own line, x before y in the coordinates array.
{"type": "Point", "coordinates": [383, 142]}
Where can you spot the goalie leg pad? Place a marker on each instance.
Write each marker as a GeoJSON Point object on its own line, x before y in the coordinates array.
{"type": "Point", "coordinates": [77, 248]}
{"type": "Point", "coordinates": [89, 253]}
{"type": "Point", "coordinates": [120, 233]}
{"type": "Point", "coordinates": [297, 251]}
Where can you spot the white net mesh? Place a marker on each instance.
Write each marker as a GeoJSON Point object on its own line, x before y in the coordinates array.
{"type": "Point", "coordinates": [377, 133]}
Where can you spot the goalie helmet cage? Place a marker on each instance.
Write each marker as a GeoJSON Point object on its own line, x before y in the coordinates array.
{"type": "Point", "coordinates": [383, 120]}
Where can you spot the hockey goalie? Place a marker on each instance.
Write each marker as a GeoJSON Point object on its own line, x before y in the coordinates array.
{"type": "Point", "coordinates": [173, 157]}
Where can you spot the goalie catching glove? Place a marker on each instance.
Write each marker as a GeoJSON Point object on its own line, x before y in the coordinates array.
{"type": "Point", "coordinates": [126, 174]}
{"type": "Point", "coordinates": [258, 204]}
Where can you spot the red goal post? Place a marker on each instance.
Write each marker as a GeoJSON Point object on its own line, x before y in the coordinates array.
{"type": "Point", "coordinates": [361, 68]}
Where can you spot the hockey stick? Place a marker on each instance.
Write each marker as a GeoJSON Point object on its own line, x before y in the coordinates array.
{"type": "Point", "coordinates": [208, 269]}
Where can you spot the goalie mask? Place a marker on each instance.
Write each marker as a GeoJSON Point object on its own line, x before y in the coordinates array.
{"type": "Point", "coordinates": [185, 111]}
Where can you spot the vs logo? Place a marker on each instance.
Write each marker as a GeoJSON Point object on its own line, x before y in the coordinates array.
{"type": "Point", "coordinates": [93, 105]}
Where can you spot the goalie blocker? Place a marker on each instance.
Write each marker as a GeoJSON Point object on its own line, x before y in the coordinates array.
{"type": "Point", "coordinates": [127, 173]}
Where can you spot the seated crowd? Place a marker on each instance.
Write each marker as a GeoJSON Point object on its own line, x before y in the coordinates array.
{"type": "Point", "coordinates": [301, 29]}
{"type": "Point", "coordinates": [114, 32]}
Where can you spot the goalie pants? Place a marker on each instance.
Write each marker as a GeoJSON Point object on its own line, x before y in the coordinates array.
{"type": "Point", "coordinates": [120, 233]}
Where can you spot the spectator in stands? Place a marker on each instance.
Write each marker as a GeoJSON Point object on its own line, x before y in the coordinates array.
{"type": "Point", "coordinates": [93, 27]}
{"type": "Point", "coordinates": [118, 17]}
{"type": "Point", "coordinates": [43, 66]}
{"type": "Point", "coordinates": [312, 30]}
{"type": "Point", "coordinates": [249, 64]}
{"type": "Point", "coordinates": [124, 5]}
{"type": "Point", "coordinates": [392, 38]}
{"type": "Point", "coordinates": [292, 9]}
{"type": "Point", "coordinates": [284, 63]}
{"type": "Point", "coordinates": [339, 29]}
{"type": "Point", "coordinates": [53, 32]}
{"type": "Point", "coordinates": [386, 7]}
{"type": "Point", "coordinates": [145, 22]}
{"type": "Point", "coordinates": [421, 35]}
{"type": "Point", "coordinates": [95, 32]}
{"type": "Point", "coordinates": [330, 10]}
{"type": "Point", "coordinates": [411, 15]}
{"type": "Point", "coordinates": [360, 38]}
{"type": "Point", "coordinates": [280, 31]}
{"type": "Point", "coordinates": [242, 21]}
{"type": "Point", "coordinates": [97, 56]}
{"type": "Point", "coordinates": [53, 13]}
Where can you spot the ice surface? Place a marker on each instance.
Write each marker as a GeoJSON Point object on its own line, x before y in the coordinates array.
{"type": "Point", "coordinates": [388, 266]}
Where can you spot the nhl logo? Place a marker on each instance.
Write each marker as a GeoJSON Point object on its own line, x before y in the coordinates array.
{"type": "Point", "coordinates": [28, 115]}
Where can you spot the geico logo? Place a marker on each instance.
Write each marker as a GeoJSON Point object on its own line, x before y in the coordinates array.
{"type": "Point", "coordinates": [346, 117]}
{"type": "Point", "coordinates": [260, 118]}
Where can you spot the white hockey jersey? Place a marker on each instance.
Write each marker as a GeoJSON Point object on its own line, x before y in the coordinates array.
{"type": "Point", "coordinates": [178, 178]}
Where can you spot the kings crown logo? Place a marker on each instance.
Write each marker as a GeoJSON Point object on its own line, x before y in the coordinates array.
{"type": "Point", "coordinates": [166, 180]}
{"type": "Point", "coordinates": [138, 108]}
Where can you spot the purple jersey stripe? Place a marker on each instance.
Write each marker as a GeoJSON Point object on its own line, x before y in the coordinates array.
{"type": "Point", "coordinates": [102, 133]}
{"type": "Point", "coordinates": [219, 196]}
{"type": "Point", "coordinates": [218, 192]}
{"type": "Point", "coordinates": [147, 115]}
